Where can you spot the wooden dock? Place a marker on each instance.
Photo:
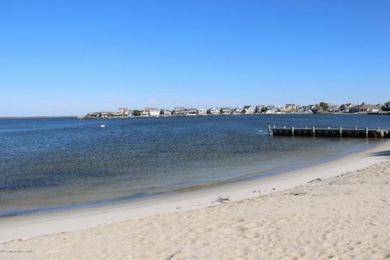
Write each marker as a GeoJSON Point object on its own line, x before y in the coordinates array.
{"type": "Point", "coordinates": [330, 132]}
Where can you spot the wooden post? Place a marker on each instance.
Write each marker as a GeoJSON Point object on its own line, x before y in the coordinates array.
{"type": "Point", "coordinates": [366, 132]}
{"type": "Point", "coordinates": [341, 131]}
{"type": "Point", "coordinates": [314, 131]}
{"type": "Point", "coordinates": [381, 132]}
{"type": "Point", "coordinates": [292, 131]}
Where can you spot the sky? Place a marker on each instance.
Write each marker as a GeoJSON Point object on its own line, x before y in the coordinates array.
{"type": "Point", "coordinates": [72, 57]}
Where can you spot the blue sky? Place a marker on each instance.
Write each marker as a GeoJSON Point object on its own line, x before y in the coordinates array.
{"type": "Point", "coordinates": [71, 57]}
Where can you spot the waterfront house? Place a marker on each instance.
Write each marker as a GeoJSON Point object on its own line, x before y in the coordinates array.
{"type": "Point", "coordinates": [93, 115]}
{"type": "Point", "coordinates": [202, 111]}
{"type": "Point", "coordinates": [271, 109]}
{"type": "Point", "coordinates": [124, 111]}
{"type": "Point", "coordinates": [150, 112]}
{"type": "Point", "coordinates": [321, 107]}
{"type": "Point", "coordinates": [260, 109]}
{"type": "Point", "coordinates": [226, 111]}
{"type": "Point", "coordinates": [144, 113]}
{"type": "Point", "coordinates": [165, 112]}
{"type": "Point", "coordinates": [105, 114]}
{"type": "Point", "coordinates": [116, 115]}
{"type": "Point", "coordinates": [248, 110]}
{"type": "Point", "coordinates": [334, 109]}
{"type": "Point", "coordinates": [304, 109]}
{"type": "Point", "coordinates": [358, 108]}
{"type": "Point", "coordinates": [179, 111]}
{"type": "Point", "coordinates": [290, 108]}
{"type": "Point", "coordinates": [345, 108]}
{"type": "Point", "coordinates": [374, 108]}
{"type": "Point", "coordinates": [130, 113]}
{"type": "Point", "coordinates": [214, 111]}
{"type": "Point", "coordinates": [191, 112]}
{"type": "Point", "coordinates": [367, 108]}
{"type": "Point", "coordinates": [237, 111]}
{"type": "Point", "coordinates": [154, 112]}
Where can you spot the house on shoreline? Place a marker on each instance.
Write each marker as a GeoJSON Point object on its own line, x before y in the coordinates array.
{"type": "Point", "coordinates": [202, 111]}
{"type": "Point", "coordinates": [165, 112]}
{"type": "Point", "coordinates": [179, 111]}
{"type": "Point", "coordinates": [320, 108]}
{"type": "Point", "coordinates": [214, 111]}
{"type": "Point", "coordinates": [150, 112]}
{"type": "Point", "coordinates": [248, 110]}
{"type": "Point", "coordinates": [226, 111]}
{"type": "Point", "coordinates": [191, 112]}
{"type": "Point", "coordinates": [237, 111]}
{"type": "Point", "coordinates": [365, 108]}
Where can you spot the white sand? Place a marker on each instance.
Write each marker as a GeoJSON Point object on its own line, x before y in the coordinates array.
{"type": "Point", "coordinates": [341, 217]}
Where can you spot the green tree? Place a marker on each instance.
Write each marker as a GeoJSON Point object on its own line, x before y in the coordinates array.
{"type": "Point", "coordinates": [324, 106]}
{"type": "Point", "coordinates": [136, 113]}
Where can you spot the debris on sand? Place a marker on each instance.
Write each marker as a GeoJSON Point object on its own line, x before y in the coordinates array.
{"type": "Point", "coordinates": [315, 180]}
{"type": "Point", "coordinates": [222, 199]}
{"type": "Point", "coordinates": [297, 193]}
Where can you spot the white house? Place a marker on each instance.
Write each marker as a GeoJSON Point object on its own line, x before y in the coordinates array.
{"type": "Point", "coordinates": [124, 111]}
{"type": "Point", "coordinates": [179, 111]}
{"type": "Point", "coordinates": [148, 111]}
{"type": "Point", "coordinates": [191, 112]}
{"type": "Point", "coordinates": [202, 111]}
{"type": "Point", "coordinates": [345, 108]}
{"type": "Point", "coordinates": [226, 111]}
{"type": "Point", "coordinates": [154, 112]}
{"type": "Point", "coordinates": [105, 114]}
{"type": "Point", "coordinates": [214, 111]}
{"type": "Point", "coordinates": [272, 110]}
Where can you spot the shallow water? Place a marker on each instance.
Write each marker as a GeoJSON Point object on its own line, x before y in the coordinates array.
{"type": "Point", "coordinates": [50, 164]}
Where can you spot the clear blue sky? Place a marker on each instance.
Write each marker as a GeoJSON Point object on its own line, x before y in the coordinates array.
{"type": "Point", "coordinates": [70, 57]}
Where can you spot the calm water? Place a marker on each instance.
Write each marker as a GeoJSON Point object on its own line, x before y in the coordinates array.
{"type": "Point", "coordinates": [49, 164]}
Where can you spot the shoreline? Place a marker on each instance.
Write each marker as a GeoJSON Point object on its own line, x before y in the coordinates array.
{"type": "Point", "coordinates": [25, 227]}
{"type": "Point", "coordinates": [132, 117]}
{"type": "Point", "coordinates": [129, 199]}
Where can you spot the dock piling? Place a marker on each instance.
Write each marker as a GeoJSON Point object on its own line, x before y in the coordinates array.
{"type": "Point", "coordinates": [330, 132]}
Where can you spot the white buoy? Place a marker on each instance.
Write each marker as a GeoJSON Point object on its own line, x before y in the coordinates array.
{"type": "Point", "coordinates": [102, 126]}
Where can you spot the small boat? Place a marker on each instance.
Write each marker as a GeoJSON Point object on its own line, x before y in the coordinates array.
{"type": "Point", "coordinates": [102, 126]}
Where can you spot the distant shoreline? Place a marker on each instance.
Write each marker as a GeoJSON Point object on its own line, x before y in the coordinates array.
{"type": "Point", "coordinates": [131, 117]}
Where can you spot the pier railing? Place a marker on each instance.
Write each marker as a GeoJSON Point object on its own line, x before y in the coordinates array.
{"type": "Point", "coordinates": [330, 132]}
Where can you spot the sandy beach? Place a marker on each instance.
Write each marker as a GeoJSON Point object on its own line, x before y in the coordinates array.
{"type": "Point", "coordinates": [339, 210]}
